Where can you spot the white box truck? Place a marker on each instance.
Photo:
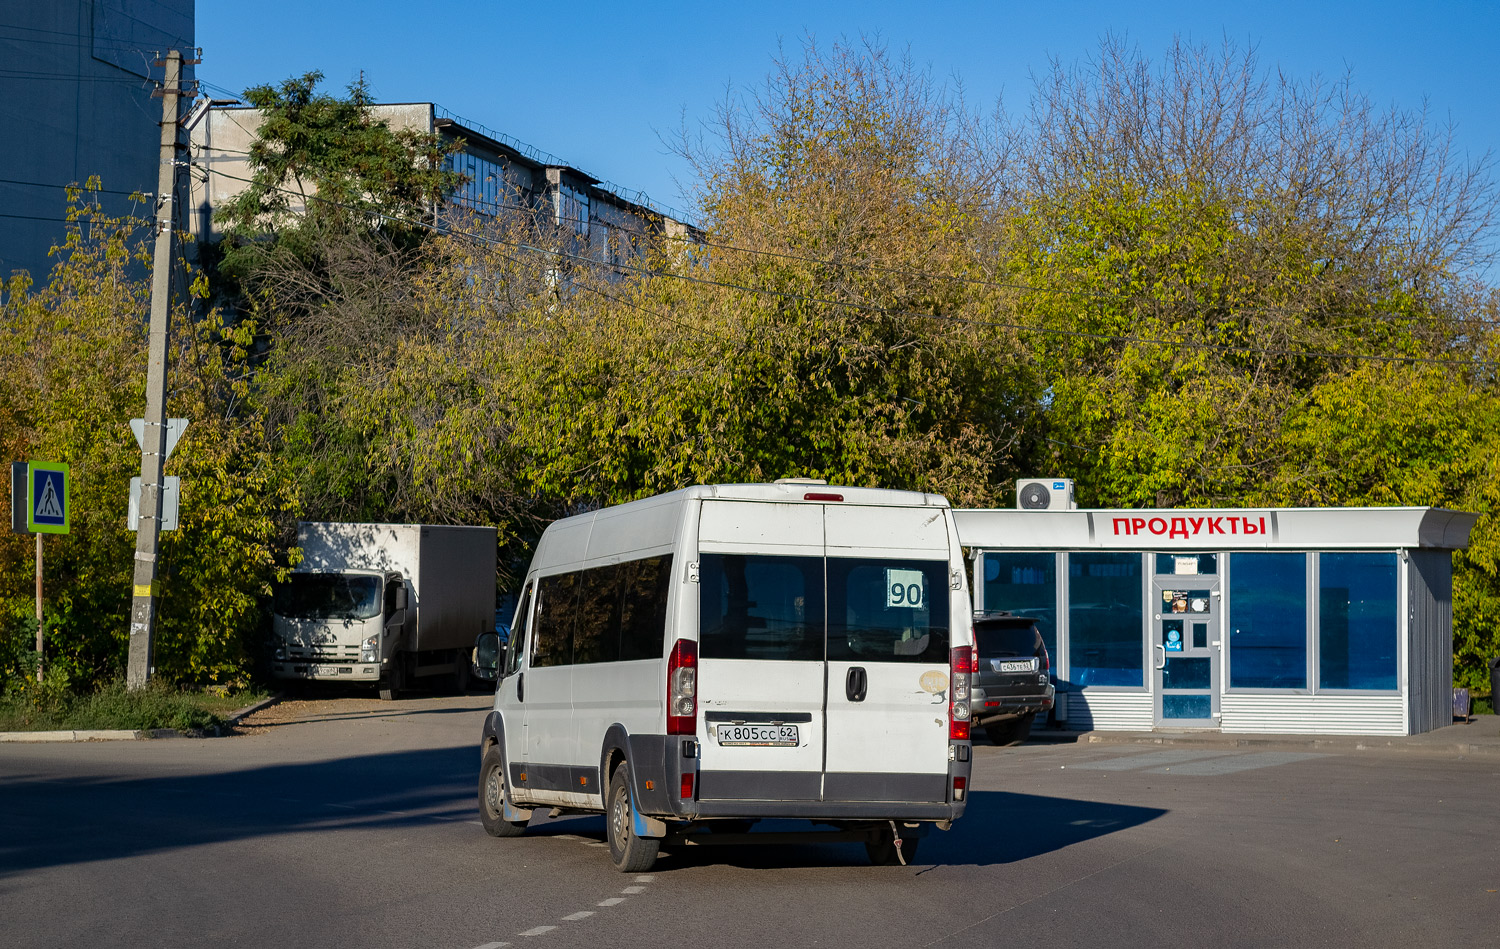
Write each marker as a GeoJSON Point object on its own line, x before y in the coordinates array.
{"type": "Point", "coordinates": [385, 604]}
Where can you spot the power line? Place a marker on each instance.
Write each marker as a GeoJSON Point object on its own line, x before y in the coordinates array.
{"type": "Point", "coordinates": [891, 312]}
{"type": "Point", "coordinates": [82, 188]}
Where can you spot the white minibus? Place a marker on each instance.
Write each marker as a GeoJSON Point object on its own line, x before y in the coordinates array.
{"type": "Point", "coordinates": [692, 663]}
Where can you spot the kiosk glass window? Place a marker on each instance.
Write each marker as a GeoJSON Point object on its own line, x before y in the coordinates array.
{"type": "Point", "coordinates": [1357, 621]}
{"type": "Point", "coordinates": [1105, 614]}
{"type": "Point", "coordinates": [1268, 621]}
{"type": "Point", "coordinates": [1026, 585]}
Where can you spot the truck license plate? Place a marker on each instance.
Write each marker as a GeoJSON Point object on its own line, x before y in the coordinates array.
{"type": "Point", "coordinates": [757, 735]}
{"type": "Point", "coordinates": [325, 670]}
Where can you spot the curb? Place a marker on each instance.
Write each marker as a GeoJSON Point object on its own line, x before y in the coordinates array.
{"type": "Point", "coordinates": [1349, 743]}
{"type": "Point", "coordinates": [123, 734]}
{"type": "Point", "coordinates": [233, 718]}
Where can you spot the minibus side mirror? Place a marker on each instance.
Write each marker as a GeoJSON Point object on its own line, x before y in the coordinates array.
{"type": "Point", "coordinates": [487, 656]}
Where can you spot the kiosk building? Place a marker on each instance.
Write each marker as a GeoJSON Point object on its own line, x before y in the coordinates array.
{"type": "Point", "coordinates": [1268, 620]}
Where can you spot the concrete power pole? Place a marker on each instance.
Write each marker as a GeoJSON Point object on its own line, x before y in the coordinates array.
{"type": "Point", "coordinates": [154, 439]}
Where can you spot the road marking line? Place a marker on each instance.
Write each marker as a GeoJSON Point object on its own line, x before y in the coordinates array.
{"type": "Point", "coordinates": [632, 890]}
{"type": "Point", "coordinates": [347, 807]}
{"type": "Point", "coordinates": [538, 930]}
{"type": "Point", "coordinates": [581, 914]}
{"type": "Point", "coordinates": [645, 879]}
{"type": "Point", "coordinates": [493, 945]}
{"type": "Point", "coordinates": [598, 843]}
{"type": "Point", "coordinates": [612, 901]}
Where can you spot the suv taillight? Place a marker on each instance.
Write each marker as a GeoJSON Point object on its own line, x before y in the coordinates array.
{"type": "Point", "coordinates": [682, 689]}
{"type": "Point", "coordinates": [960, 666]}
{"type": "Point", "coordinates": [1046, 660]}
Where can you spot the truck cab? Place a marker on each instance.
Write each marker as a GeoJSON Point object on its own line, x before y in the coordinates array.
{"type": "Point", "coordinates": [338, 625]}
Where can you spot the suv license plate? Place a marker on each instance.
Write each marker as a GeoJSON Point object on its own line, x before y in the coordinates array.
{"type": "Point", "coordinates": [757, 734]}
{"type": "Point", "coordinates": [1020, 665]}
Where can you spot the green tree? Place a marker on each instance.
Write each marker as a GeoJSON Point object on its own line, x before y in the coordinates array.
{"type": "Point", "coordinates": [72, 374]}
{"type": "Point", "coordinates": [322, 165]}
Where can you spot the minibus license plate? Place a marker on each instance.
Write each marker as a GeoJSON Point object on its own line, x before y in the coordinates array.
{"type": "Point", "coordinates": [1020, 665]}
{"type": "Point", "coordinates": [757, 735]}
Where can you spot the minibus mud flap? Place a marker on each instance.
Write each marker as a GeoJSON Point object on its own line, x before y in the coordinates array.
{"type": "Point", "coordinates": [647, 827]}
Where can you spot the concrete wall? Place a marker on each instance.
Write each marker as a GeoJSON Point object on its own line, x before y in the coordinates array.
{"type": "Point", "coordinates": [78, 103]}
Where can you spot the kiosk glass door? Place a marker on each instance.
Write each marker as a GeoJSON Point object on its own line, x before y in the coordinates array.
{"type": "Point", "coordinates": [1185, 643]}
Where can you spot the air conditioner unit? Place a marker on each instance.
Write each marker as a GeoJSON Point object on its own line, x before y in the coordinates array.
{"type": "Point", "coordinates": [1045, 494]}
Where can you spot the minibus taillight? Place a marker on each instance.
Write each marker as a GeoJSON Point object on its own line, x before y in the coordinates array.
{"type": "Point", "coordinates": [682, 689]}
{"type": "Point", "coordinates": [960, 665]}
{"type": "Point", "coordinates": [821, 496]}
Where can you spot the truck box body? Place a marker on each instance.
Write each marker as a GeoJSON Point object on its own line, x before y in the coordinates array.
{"type": "Point", "coordinates": [448, 577]}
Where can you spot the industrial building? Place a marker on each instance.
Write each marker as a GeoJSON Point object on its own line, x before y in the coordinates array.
{"type": "Point", "coordinates": [608, 223]}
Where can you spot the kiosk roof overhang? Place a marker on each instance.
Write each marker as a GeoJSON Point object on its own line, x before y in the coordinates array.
{"type": "Point", "coordinates": [1294, 528]}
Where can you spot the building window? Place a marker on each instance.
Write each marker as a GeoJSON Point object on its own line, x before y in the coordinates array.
{"type": "Point", "coordinates": [1268, 621]}
{"type": "Point", "coordinates": [573, 209]}
{"type": "Point", "coordinates": [1026, 585]}
{"type": "Point", "coordinates": [1357, 621]}
{"type": "Point", "coordinates": [1105, 629]}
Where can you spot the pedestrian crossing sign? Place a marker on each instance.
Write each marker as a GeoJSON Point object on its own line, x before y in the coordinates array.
{"type": "Point", "coordinates": [48, 510]}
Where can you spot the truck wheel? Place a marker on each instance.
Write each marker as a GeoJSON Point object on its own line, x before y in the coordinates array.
{"type": "Point", "coordinates": [630, 854]}
{"type": "Point", "coordinates": [460, 678]}
{"type": "Point", "coordinates": [1011, 732]}
{"type": "Point", "coordinates": [492, 795]}
{"type": "Point", "coordinates": [393, 681]}
{"type": "Point", "coordinates": [882, 848]}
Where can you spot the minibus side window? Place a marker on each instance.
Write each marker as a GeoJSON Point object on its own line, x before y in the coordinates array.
{"type": "Point", "coordinates": [596, 637]}
{"type": "Point", "coordinates": [755, 607]}
{"type": "Point", "coordinates": [887, 610]}
{"type": "Point", "coordinates": [554, 620]}
{"type": "Point", "coordinates": [515, 650]}
{"type": "Point", "coordinates": [643, 616]}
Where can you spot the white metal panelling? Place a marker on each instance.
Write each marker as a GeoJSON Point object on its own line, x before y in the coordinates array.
{"type": "Point", "coordinates": [760, 527]}
{"type": "Point", "coordinates": [920, 530]}
{"type": "Point", "coordinates": [1323, 714]}
{"type": "Point", "coordinates": [1091, 709]}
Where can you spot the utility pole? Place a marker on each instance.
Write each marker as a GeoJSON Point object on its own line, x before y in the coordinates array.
{"type": "Point", "coordinates": [154, 438]}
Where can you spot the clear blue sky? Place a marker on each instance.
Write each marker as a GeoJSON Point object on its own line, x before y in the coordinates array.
{"type": "Point", "coordinates": [599, 85]}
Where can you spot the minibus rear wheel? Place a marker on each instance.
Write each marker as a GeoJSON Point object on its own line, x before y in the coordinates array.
{"type": "Point", "coordinates": [631, 854]}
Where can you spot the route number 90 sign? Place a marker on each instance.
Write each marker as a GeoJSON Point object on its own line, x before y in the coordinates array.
{"type": "Point", "coordinates": [905, 589]}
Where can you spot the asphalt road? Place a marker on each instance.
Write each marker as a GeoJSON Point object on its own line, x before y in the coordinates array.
{"type": "Point", "coordinates": [350, 823]}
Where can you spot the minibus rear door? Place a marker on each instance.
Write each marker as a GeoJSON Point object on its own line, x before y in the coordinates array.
{"type": "Point", "coordinates": [891, 595]}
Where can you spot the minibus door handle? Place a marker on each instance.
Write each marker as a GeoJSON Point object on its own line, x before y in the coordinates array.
{"type": "Point", "coordinates": [521, 687]}
{"type": "Point", "coordinates": [855, 684]}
